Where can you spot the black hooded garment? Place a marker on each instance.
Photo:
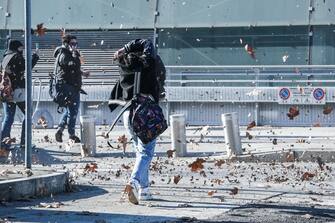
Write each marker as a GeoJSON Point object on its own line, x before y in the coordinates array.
{"type": "Point", "coordinates": [69, 67]}
{"type": "Point", "coordinates": [16, 64]}
{"type": "Point", "coordinates": [123, 90]}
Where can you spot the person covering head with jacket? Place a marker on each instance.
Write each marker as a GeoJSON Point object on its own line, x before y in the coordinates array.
{"type": "Point", "coordinates": [137, 56]}
{"type": "Point", "coordinates": [13, 64]}
{"type": "Point", "coordinates": [69, 79]}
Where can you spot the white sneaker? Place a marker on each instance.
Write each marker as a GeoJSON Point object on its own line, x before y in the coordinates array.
{"type": "Point", "coordinates": [145, 194]}
{"type": "Point", "coordinates": [132, 192]}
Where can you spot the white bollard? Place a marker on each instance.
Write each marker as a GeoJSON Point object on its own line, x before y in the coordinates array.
{"type": "Point", "coordinates": [232, 134]}
{"type": "Point", "coordinates": [178, 135]}
{"type": "Point", "coordinates": [88, 135]}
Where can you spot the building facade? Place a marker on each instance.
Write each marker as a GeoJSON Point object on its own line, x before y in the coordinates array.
{"type": "Point", "coordinates": [222, 55]}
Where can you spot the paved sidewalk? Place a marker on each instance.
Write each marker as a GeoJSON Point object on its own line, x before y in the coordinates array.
{"type": "Point", "coordinates": [220, 191]}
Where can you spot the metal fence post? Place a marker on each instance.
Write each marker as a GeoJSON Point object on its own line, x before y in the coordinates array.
{"type": "Point", "coordinates": [28, 106]}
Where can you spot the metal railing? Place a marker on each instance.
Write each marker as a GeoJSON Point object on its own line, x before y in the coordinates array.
{"type": "Point", "coordinates": [251, 76]}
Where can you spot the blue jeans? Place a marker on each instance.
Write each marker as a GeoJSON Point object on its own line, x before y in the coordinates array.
{"type": "Point", "coordinates": [144, 155]}
{"type": "Point", "coordinates": [9, 111]}
{"type": "Point", "coordinates": [70, 114]}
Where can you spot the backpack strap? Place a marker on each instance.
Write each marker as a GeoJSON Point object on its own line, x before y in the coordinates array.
{"type": "Point", "coordinates": [125, 107]}
{"type": "Point", "coordinates": [56, 66]}
{"type": "Point", "coordinates": [136, 91]}
{"type": "Point", "coordinates": [6, 61]}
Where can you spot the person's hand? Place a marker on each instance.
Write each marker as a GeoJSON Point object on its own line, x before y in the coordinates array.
{"type": "Point", "coordinates": [86, 73]}
{"type": "Point", "coordinates": [118, 53]}
{"type": "Point", "coordinates": [37, 52]}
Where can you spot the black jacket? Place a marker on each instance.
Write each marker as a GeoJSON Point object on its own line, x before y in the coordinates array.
{"type": "Point", "coordinates": [16, 67]}
{"type": "Point", "coordinates": [123, 90]}
{"type": "Point", "coordinates": [69, 67]}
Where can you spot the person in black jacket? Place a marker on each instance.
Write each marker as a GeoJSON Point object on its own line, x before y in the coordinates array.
{"type": "Point", "coordinates": [69, 77]}
{"type": "Point", "coordinates": [137, 56]}
{"type": "Point", "coordinates": [14, 64]}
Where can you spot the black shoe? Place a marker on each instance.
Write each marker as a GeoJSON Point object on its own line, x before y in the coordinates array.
{"type": "Point", "coordinates": [58, 136]}
{"type": "Point", "coordinates": [75, 139]}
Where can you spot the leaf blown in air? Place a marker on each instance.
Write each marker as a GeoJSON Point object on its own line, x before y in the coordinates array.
{"type": "Point", "coordinates": [251, 125]}
{"type": "Point", "coordinates": [40, 30]}
{"type": "Point", "coordinates": [293, 112]}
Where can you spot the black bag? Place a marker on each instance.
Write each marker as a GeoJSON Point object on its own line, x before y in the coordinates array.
{"type": "Point", "coordinates": [61, 93]}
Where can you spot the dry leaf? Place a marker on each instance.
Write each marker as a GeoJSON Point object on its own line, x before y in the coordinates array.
{"type": "Point", "coordinates": [197, 165]}
{"type": "Point", "coordinates": [307, 176]}
{"type": "Point", "coordinates": [125, 166]}
{"type": "Point", "coordinates": [250, 51]}
{"type": "Point", "coordinates": [211, 192]}
{"type": "Point", "coordinates": [219, 163]}
{"type": "Point", "coordinates": [46, 138]}
{"type": "Point", "coordinates": [176, 179]}
{"type": "Point", "coordinates": [251, 125]}
{"type": "Point", "coordinates": [248, 135]}
{"type": "Point", "coordinates": [327, 110]}
{"type": "Point", "coordinates": [91, 167]}
{"type": "Point", "coordinates": [234, 191]}
{"type": "Point", "coordinates": [170, 153]}
{"type": "Point", "coordinates": [123, 140]}
{"type": "Point", "coordinates": [42, 122]}
{"type": "Point", "coordinates": [40, 29]}
{"type": "Point", "coordinates": [293, 112]}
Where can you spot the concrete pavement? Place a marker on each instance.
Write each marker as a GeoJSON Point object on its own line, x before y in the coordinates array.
{"type": "Point", "coordinates": [220, 191]}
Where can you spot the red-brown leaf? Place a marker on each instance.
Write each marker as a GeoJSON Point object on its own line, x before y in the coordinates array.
{"type": "Point", "coordinates": [307, 176]}
{"type": "Point", "coordinates": [40, 29]}
{"type": "Point", "coordinates": [251, 125]}
{"type": "Point", "coordinates": [91, 167]}
{"type": "Point", "coordinates": [327, 110]}
{"type": "Point", "coordinates": [170, 153]}
{"type": "Point", "coordinates": [197, 165]}
{"type": "Point", "coordinates": [234, 191]}
{"type": "Point", "coordinates": [293, 112]}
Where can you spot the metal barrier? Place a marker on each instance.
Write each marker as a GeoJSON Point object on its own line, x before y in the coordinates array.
{"type": "Point", "coordinates": [262, 94]}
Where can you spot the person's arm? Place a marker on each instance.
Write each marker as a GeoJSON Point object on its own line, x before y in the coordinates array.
{"type": "Point", "coordinates": [141, 45]}
{"type": "Point", "coordinates": [34, 60]}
